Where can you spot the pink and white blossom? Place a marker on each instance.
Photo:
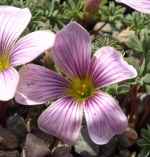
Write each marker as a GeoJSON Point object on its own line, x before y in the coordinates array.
{"type": "Point", "coordinates": [12, 52]}
{"type": "Point", "coordinates": [78, 93]}
{"type": "Point", "coordinates": [139, 5]}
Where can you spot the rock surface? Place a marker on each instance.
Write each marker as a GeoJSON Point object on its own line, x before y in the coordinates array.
{"type": "Point", "coordinates": [34, 147]}
{"type": "Point", "coordinates": [17, 126]}
{"type": "Point", "coordinates": [8, 140]}
{"type": "Point", "coordinates": [12, 153]}
{"type": "Point", "coordinates": [61, 151]}
{"type": "Point", "coordinates": [34, 129]}
{"type": "Point", "coordinates": [128, 138]}
{"type": "Point", "coordinates": [85, 146]}
{"type": "Point", "coordinates": [109, 148]}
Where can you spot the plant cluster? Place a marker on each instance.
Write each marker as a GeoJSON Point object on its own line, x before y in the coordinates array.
{"type": "Point", "coordinates": [56, 14]}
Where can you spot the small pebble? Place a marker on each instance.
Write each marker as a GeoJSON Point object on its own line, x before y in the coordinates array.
{"type": "Point", "coordinates": [8, 140]}
{"type": "Point", "coordinates": [17, 126]}
{"type": "Point", "coordinates": [85, 146]}
{"type": "Point", "coordinates": [61, 151]}
{"type": "Point", "coordinates": [109, 148]}
{"type": "Point", "coordinates": [34, 147]}
{"type": "Point", "coordinates": [12, 153]}
{"type": "Point", "coordinates": [128, 138]}
{"type": "Point", "coordinates": [124, 153]}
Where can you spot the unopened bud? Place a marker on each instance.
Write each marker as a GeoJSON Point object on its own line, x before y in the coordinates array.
{"type": "Point", "coordinates": [48, 61]}
{"type": "Point", "coordinates": [92, 6]}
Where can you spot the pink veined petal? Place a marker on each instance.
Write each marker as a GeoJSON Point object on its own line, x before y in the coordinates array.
{"type": "Point", "coordinates": [31, 46]}
{"type": "Point", "coordinates": [139, 5]}
{"type": "Point", "coordinates": [13, 22]}
{"type": "Point", "coordinates": [72, 50]}
{"type": "Point", "coordinates": [107, 67]}
{"type": "Point", "coordinates": [104, 118]}
{"type": "Point", "coordinates": [8, 83]}
{"type": "Point", "coordinates": [63, 119]}
{"type": "Point", "coordinates": [38, 85]}
{"type": "Point", "coordinates": [8, 9]}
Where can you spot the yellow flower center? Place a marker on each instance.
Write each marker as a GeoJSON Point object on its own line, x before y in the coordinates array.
{"type": "Point", "coordinates": [81, 89]}
{"type": "Point", "coordinates": [4, 63]}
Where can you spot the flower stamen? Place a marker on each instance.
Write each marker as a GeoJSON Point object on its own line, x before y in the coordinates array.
{"type": "Point", "coordinates": [81, 89]}
{"type": "Point", "coordinates": [4, 63]}
{"type": "Point", "coordinates": [1, 67]}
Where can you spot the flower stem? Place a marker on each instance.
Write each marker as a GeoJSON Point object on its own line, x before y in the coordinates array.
{"type": "Point", "coordinates": [3, 107]}
{"type": "Point", "coordinates": [133, 108]}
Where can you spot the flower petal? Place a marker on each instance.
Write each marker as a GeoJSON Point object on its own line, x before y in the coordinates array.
{"type": "Point", "coordinates": [72, 50]}
{"type": "Point", "coordinates": [108, 67]}
{"type": "Point", "coordinates": [139, 5]}
{"type": "Point", "coordinates": [63, 119]}
{"type": "Point", "coordinates": [31, 46]}
{"type": "Point", "coordinates": [8, 83]}
{"type": "Point", "coordinates": [13, 22]}
{"type": "Point", "coordinates": [38, 85]}
{"type": "Point", "coordinates": [8, 9]}
{"type": "Point", "coordinates": [104, 118]}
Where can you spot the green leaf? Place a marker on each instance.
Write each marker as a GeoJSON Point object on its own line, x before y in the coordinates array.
{"type": "Point", "coordinates": [132, 60]}
{"type": "Point", "coordinates": [123, 89]}
{"type": "Point", "coordinates": [147, 78]}
{"type": "Point", "coordinates": [142, 67]}
{"type": "Point", "coordinates": [134, 44]}
{"type": "Point", "coordinates": [145, 134]}
{"type": "Point", "coordinates": [113, 14]}
{"type": "Point", "coordinates": [148, 88]}
{"type": "Point", "coordinates": [116, 89]}
{"type": "Point", "coordinates": [143, 143]}
{"type": "Point", "coordinates": [72, 9]}
{"type": "Point", "coordinates": [137, 21]}
{"type": "Point", "coordinates": [104, 42]}
{"type": "Point", "coordinates": [145, 152]}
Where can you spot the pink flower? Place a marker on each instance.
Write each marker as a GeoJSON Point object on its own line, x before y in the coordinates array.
{"type": "Point", "coordinates": [12, 52]}
{"type": "Point", "coordinates": [78, 92]}
{"type": "Point", "coordinates": [139, 5]}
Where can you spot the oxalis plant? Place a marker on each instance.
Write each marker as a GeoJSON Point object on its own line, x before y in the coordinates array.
{"type": "Point", "coordinates": [79, 74]}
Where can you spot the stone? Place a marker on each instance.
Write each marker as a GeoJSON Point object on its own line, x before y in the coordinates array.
{"type": "Point", "coordinates": [103, 27]}
{"type": "Point", "coordinates": [17, 126]}
{"type": "Point", "coordinates": [128, 138]}
{"type": "Point", "coordinates": [33, 128]}
{"type": "Point", "coordinates": [34, 147]}
{"type": "Point", "coordinates": [84, 146]}
{"type": "Point", "coordinates": [123, 36]}
{"type": "Point", "coordinates": [61, 151]}
{"type": "Point", "coordinates": [12, 153]}
{"type": "Point", "coordinates": [109, 148]}
{"type": "Point", "coordinates": [124, 153]}
{"type": "Point", "coordinates": [8, 140]}
{"type": "Point", "coordinates": [68, 155]}
{"type": "Point", "coordinates": [142, 101]}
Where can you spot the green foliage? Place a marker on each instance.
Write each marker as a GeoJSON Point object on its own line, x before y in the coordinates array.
{"type": "Point", "coordinates": [145, 142]}
{"type": "Point", "coordinates": [134, 44]}
{"type": "Point", "coordinates": [113, 14]}
{"type": "Point", "coordinates": [49, 12]}
{"type": "Point", "coordinates": [116, 89]}
{"type": "Point", "coordinates": [137, 21]}
{"type": "Point", "coordinates": [133, 61]}
{"type": "Point", "coordinates": [104, 42]}
{"type": "Point", "coordinates": [73, 9]}
{"type": "Point", "coordinates": [139, 43]}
